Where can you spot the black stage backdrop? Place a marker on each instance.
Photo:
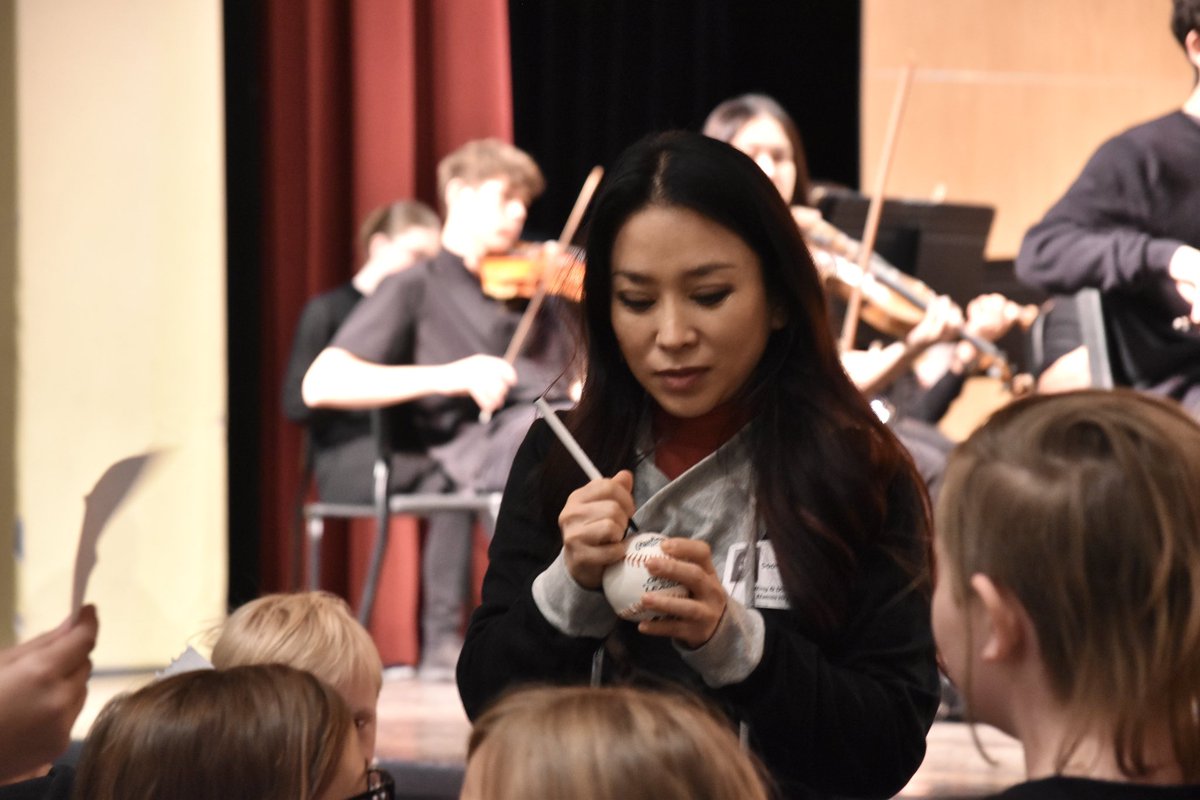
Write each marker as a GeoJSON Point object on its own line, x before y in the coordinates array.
{"type": "Point", "coordinates": [591, 77]}
{"type": "Point", "coordinates": [244, 266]}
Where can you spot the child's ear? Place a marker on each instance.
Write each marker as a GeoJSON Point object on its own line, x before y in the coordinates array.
{"type": "Point", "coordinates": [1005, 618]}
{"type": "Point", "coordinates": [778, 317]}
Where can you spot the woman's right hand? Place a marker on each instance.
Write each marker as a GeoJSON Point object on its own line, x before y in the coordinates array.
{"type": "Point", "coordinates": [593, 524]}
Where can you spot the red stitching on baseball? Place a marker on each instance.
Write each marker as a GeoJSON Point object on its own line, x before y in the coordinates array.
{"type": "Point", "coordinates": [632, 610]}
{"type": "Point", "coordinates": [640, 559]}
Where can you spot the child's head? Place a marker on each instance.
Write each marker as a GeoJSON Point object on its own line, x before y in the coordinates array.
{"type": "Point", "coordinates": [1068, 529]}
{"type": "Point", "coordinates": [611, 743]}
{"type": "Point", "coordinates": [312, 631]}
{"type": "Point", "coordinates": [264, 732]}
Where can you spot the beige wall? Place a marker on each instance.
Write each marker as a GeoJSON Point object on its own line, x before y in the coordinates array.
{"type": "Point", "coordinates": [1010, 97]}
{"type": "Point", "coordinates": [120, 312]}
{"type": "Point", "coordinates": [8, 276]}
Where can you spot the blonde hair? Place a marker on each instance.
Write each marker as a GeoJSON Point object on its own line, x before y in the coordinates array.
{"type": "Point", "coordinates": [611, 743]}
{"type": "Point", "coordinates": [483, 159]}
{"type": "Point", "coordinates": [263, 732]}
{"type": "Point", "coordinates": [312, 631]}
{"type": "Point", "coordinates": [1086, 506]}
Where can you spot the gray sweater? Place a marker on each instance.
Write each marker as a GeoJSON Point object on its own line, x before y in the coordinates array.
{"type": "Point", "coordinates": [713, 502]}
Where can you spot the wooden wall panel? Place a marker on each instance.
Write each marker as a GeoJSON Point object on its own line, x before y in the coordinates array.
{"type": "Point", "coordinates": [1010, 97]}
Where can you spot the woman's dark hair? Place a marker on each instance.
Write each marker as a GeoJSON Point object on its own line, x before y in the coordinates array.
{"type": "Point", "coordinates": [827, 469]}
{"type": "Point", "coordinates": [729, 117]}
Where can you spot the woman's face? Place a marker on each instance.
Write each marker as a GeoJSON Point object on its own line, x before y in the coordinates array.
{"type": "Point", "coordinates": [764, 139]}
{"type": "Point", "coordinates": [689, 308]}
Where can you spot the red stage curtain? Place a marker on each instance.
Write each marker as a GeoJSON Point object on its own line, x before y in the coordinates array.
{"type": "Point", "coordinates": [361, 99]}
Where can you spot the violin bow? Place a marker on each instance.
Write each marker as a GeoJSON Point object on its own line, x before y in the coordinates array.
{"type": "Point", "coordinates": [564, 239]}
{"type": "Point", "coordinates": [875, 211]}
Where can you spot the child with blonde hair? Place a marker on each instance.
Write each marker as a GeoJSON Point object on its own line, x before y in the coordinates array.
{"type": "Point", "coordinates": [1067, 605]}
{"type": "Point", "coordinates": [315, 632]}
{"type": "Point", "coordinates": [610, 743]}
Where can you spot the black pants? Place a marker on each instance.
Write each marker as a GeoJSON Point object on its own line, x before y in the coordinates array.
{"type": "Point", "coordinates": [344, 475]}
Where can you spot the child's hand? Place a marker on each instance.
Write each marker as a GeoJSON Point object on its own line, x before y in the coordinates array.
{"type": "Point", "coordinates": [43, 684]}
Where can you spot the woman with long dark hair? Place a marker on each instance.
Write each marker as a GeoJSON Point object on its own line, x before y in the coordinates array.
{"type": "Point", "coordinates": [715, 399]}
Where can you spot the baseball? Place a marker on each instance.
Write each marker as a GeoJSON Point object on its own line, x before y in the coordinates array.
{"type": "Point", "coordinates": [628, 579]}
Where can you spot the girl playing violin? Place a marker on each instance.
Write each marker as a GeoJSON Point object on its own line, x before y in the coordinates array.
{"type": "Point", "coordinates": [758, 126]}
{"type": "Point", "coordinates": [716, 405]}
{"type": "Point", "coordinates": [922, 365]}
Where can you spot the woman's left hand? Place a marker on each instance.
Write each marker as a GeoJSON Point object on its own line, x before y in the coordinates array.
{"type": "Point", "coordinates": [689, 620]}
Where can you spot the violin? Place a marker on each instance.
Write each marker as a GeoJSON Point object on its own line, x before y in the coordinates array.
{"type": "Point", "coordinates": [569, 280]}
{"type": "Point", "coordinates": [867, 273]}
{"type": "Point", "coordinates": [518, 274]}
{"type": "Point", "coordinates": [894, 302]}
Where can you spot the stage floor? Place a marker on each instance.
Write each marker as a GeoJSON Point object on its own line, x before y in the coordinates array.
{"type": "Point", "coordinates": [423, 731]}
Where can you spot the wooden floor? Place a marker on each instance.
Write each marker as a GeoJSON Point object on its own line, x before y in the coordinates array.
{"type": "Point", "coordinates": [422, 728]}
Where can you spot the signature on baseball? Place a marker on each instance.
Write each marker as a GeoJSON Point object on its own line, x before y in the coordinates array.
{"type": "Point", "coordinates": [627, 580]}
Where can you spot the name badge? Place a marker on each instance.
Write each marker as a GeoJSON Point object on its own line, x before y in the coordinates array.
{"type": "Point", "coordinates": [768, 587]}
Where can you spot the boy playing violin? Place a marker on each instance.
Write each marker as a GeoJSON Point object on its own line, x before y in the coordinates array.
{"type": "Point", "coordinates": [430, 339]}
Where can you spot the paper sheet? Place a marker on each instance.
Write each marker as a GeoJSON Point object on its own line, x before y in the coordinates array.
{"type": "Point", "coordinates": [99, 506]}
{"type": "Point", "coordinates": [187, 661]}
